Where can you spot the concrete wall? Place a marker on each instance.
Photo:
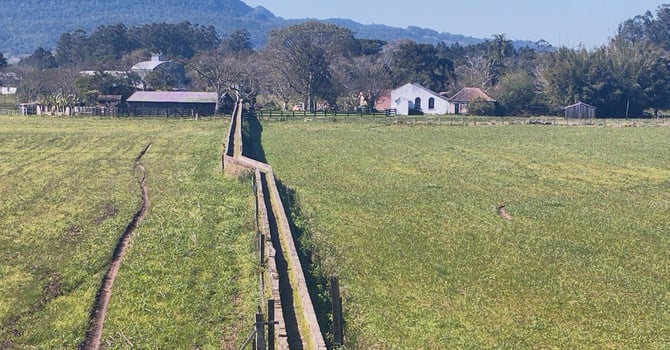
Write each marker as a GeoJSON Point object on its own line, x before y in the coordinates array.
{"type": "Point", "coordinates": [234, 163]}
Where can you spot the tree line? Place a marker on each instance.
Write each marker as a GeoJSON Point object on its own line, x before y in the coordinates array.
{"type": "Point", "coordinates": [318, 65]}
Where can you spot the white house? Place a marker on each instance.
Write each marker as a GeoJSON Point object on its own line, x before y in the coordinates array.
{"type": "Point", "coordinates": [413, 98]}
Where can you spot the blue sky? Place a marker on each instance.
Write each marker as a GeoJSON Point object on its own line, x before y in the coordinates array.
{"type": "Point", "coordinates": [570, 23]}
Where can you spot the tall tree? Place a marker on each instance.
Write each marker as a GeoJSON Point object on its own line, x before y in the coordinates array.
{"type": "Point", "coordinates": [563, 76]}
{"type": "Point", "coordinates": [516, 93]}
{"type": "Point", "coordinates": [41, 59]}
{"type": "Point", "coordinates": [369, 77]}
{"type": "Point", "coordinates": [109, 44]}
{"type": "Point", "coordinates": [73, 49]}
{"type": "Point", "coordinates": [219, 71]}
{"type": "Point", "coordinates": [304, 54]}
{"type": "Point", "coordinates": [499, 51]}
{"type": "Point", "coordinates": [238, 42]}
{"type": "Point", "coordinates": [421, 63]}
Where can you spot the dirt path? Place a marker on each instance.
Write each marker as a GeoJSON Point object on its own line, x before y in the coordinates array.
{"type": "Point", "coordinates": [97, 317]}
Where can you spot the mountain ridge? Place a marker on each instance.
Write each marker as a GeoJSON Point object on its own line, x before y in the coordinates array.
{"type": "Point", "coordinates": [48, 19]}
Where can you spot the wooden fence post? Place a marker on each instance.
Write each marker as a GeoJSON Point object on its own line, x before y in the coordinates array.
{"type": "Point", "coordinates": [260, 332]}
{"type": "Point", "coordinates": [271, 324]}
{"type": "Point", "coordinates": [338, 336]}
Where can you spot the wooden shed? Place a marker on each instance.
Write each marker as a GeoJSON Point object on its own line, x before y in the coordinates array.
{"type": "Point", "coordinates": [580, 110]}
{"type": "Point", "coordinates": [172, 103]}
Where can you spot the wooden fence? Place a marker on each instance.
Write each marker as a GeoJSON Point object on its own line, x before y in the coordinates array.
{"type": "Point", "coordinates": [452, 119]}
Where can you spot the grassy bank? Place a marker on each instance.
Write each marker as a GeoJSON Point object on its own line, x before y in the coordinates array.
{"type": "Point", "coordinates": [407, 217]}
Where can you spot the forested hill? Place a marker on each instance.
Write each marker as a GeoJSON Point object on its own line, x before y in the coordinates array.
{"type": "Point", "coordinates": [29, 24]}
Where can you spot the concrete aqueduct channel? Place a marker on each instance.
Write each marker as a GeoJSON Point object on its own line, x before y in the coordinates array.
{"type": "Point", "coordinates": [297, 325]}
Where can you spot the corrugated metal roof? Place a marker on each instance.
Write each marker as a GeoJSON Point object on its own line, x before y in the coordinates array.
{"type": "Point", "coordinates": [173, 96]}
{"type": "Point", "coordinates": [579, 104]}
{"type": "Point", "coordinates": [147, 65]}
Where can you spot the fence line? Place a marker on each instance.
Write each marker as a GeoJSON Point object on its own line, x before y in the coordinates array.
{"type": "Point", "coordinates": [454, 120]}
{"type": "Point", "coordinates": [9, 111]}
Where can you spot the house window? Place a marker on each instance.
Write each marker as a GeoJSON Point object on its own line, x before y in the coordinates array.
{"type": "Point", "coordinates": [417, 103]}
{"type": "Point", "coordinates": [431, 103]}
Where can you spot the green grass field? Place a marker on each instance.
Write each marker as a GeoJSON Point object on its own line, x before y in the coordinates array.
{"type": "Point", "coordinates": [69, 189]}
{"type": "Point", "coordinates": [406, 216]}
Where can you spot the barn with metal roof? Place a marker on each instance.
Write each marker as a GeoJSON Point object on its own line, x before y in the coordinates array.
{"type": "Point", "coordinates": [172, 103]}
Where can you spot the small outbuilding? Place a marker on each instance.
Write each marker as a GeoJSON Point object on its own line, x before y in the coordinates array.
{"type": "Point", "coordinates": [172, 103]}
{"type": "Point", "coordinates": [464, 101]}
{"type": "Point", "coordinates": [580, 110]}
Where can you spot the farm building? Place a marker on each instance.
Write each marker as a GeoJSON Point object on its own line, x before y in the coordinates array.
{"type": "Point", "coordinates": [462, 101]}
{"type": "Point", "coordinates": [170, 73]}
{"type": "Point", "coordinates": [413, 98]}
{"type": "Point", "coordinates": [172, 103]}
{"type": "Point", "coordinates": [580, 110]}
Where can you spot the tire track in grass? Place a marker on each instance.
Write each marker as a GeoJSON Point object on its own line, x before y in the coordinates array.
{"type": "Point", "coordinates": [99, 311]}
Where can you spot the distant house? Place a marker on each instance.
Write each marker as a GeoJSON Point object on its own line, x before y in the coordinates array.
{"type": "Point", "coordinates": [171, 72]}
{"type": "Point", "coordinates": [413, 98]}
{"type": "Point", "coordinates": [462, 101]}
{"type": "Point", "coordinates": [172, 103]}
{"type": "Point", "coordinates": [114, 73]}
{"type": "Point", "coordinates": [7, 90]}
{"type": "Point", "coordinates": [580, 110]}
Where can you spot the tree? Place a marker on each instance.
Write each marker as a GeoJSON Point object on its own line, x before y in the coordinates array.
{"type": "Point", "coordinates": [238, 42]}
{"type": "Point", "coordinates": [3, 61]}
{"type": "Point", "coordinates": [563, 77]}
{"type": "Point", "coordinates": [472, 72]}
{"type": "Point", "coordinates": [73, 49]}
{"type": "Point", "coordinates": [181, 40]}
{"type": "Point", "coordinates": [515, 92]}
{"type": "Point", "coordinates": [499, 50]}
{"type": "Point", "coordinates": [218, 71]}
{"type": "Point", "coordinates": [273, 82]}
{"type": "Point", "coordinates": [109, 44]}
{"type": "Point", "coordinates": [304, 55]}
{"type": "Point", "coordinates": [369, 77]}
{"type": "Point", "coordinates": [421, 63]}
{"type": "Point", "coordinates": [41, 59]}
{"type": "Point", "coordinates": [31, 83]}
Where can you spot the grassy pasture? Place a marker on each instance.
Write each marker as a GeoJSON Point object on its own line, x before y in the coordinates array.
{"type": "Point", "coordinates": [69, 189]}
{"type": "Point", "coordinates": [406, 216]}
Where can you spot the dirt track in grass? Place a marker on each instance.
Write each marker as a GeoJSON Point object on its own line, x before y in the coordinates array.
{"type": "Point", "coordinates": [99, 311]}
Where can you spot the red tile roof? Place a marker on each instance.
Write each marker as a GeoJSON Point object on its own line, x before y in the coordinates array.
{"type": "Point", "coordinates": [471, 94]}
